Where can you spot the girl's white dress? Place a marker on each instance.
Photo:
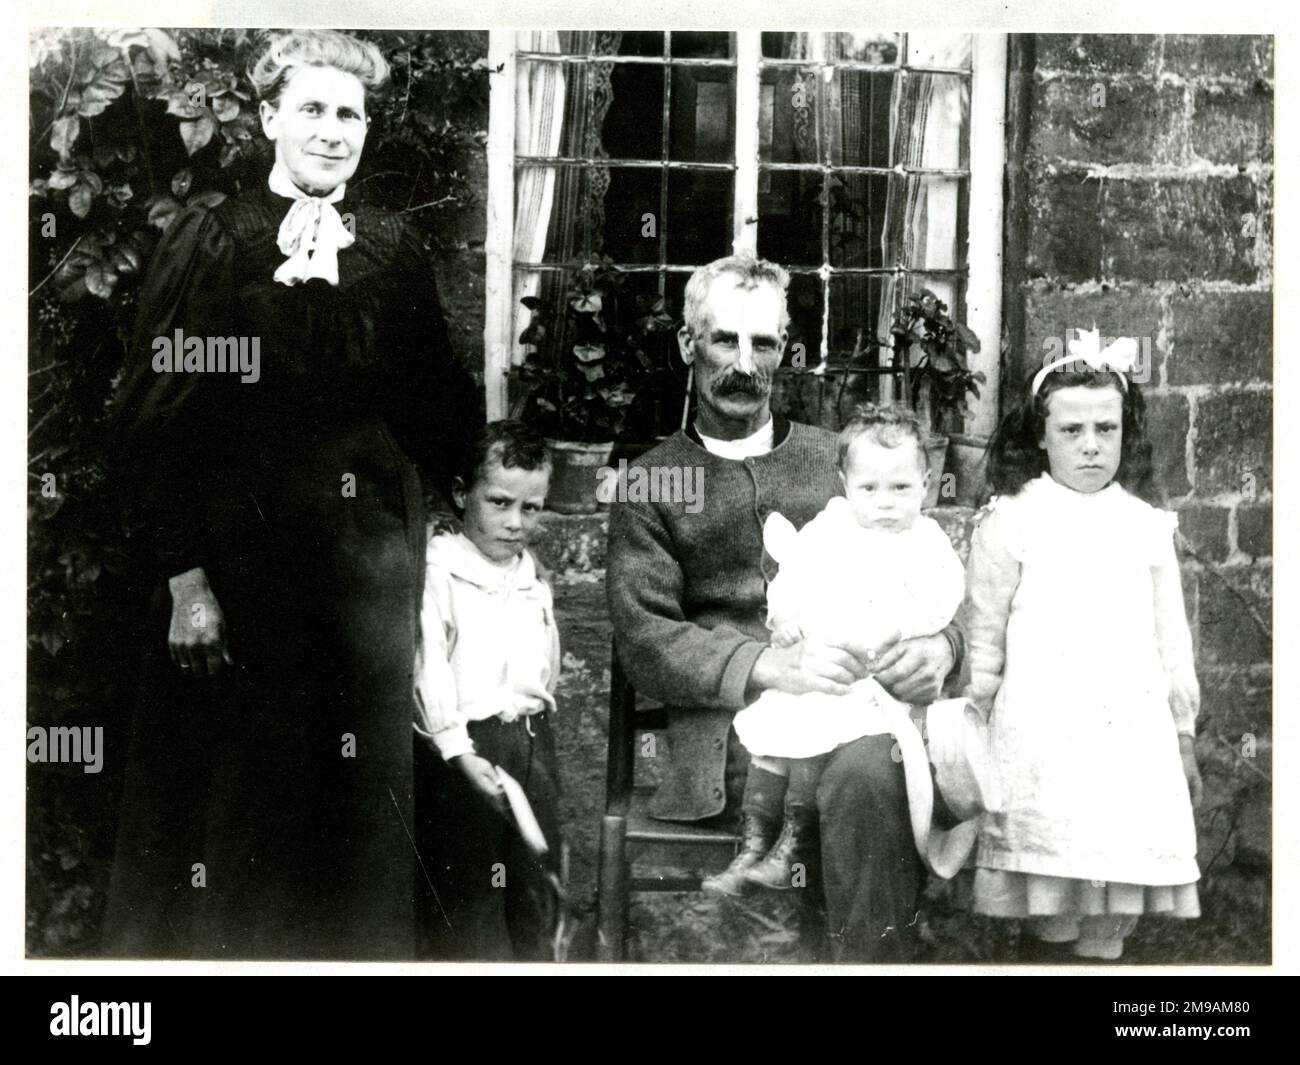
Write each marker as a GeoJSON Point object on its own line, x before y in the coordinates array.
{"type": "Point", "coordinates": [1064, 644]}
{"type": "Point", "coordinates": [839, 581]}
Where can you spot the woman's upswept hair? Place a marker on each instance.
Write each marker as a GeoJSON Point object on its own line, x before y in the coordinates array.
{"type": "Point", "coordinates": [886, 426]}
{"type": "Point", "coordinates": [1015, 457]}
{"type": "Point", "coordinates": [287, 53]}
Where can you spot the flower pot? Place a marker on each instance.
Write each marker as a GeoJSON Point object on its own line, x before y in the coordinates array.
{"type": "Point", "coordinates": [968, 463]}
{"type": "Point", "coordinates": [575, 472]}
{"type": "Point", "coordinates": [937, 449]}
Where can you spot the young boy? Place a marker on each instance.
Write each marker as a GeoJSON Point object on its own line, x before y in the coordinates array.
{"type": "Point", "coordinates": [485, 687]}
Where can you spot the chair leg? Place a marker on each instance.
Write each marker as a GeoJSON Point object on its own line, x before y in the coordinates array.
{"type": "Point", "coordinates": [612, 890]}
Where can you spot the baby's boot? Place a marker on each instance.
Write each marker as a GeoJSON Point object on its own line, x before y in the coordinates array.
{"type": "Point", "coordinates": [790, 852]}
{"type": "Point", "coordinates": [761, 814]}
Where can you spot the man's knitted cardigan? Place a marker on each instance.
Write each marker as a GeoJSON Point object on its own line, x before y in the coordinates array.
{"type": "Point", "coordinates": [687, 591]}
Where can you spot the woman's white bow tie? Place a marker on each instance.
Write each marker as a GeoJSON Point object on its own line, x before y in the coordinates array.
{"type": "Point", "coordinates": [1120, 356]}
{"type": "Point", "coordinates": [311, 234]}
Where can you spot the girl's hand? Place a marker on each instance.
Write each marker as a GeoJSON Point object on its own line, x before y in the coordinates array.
{"type": "Point", "coordinates": [196, 637]}
{"type": "Point", "coordinates": [1195, 787]}
{"type": "Point", "coordinates": [481, 774]}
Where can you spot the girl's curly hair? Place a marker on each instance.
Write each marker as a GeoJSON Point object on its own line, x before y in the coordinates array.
{"type": "Point", "coordinates": [1015, 457]}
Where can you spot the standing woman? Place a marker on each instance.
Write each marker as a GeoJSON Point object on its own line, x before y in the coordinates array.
{"type": "Point", "coordinates": [268, 800]}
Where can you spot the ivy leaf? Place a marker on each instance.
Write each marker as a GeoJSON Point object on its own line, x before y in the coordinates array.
{"type": "Point", "coordinates": [162, 48]}
{"type": "Point", "coordinates": [225, 107]}
{"type": "Point", "coordinates": [588, 353]}
{"type": "Point", "coordinates": [181, 181]}
{"type": "Point", "coordinates": [101, 279]}
{"type": "Point", "coordinates": [206, 199]}
{"type": "Point", "coordinates": [163, 210]}
{"type": "Point", "coordinates": [196, 133]}
{"type": "Point", "coordinates": [63, 179]}
{"type": "Point", "coordinates": [178, 104]}
{"type": "Point", "coordinates": [64, 133]}
{"type": "Point", "coordinates": [108, 85]}
{"type": "Point", "coordinates": [968, 338]}
{"type": "Point", "coordinates": [592, 371]}
{"type": "Point", "coordinates": [80, 199]}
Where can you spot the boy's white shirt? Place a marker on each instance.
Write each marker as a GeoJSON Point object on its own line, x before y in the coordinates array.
{"type": "Point", "coordinates": [489, 643]}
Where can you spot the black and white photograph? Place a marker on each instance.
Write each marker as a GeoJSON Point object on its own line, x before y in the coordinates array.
{"type": "Point", "coordinates": [537, 496]}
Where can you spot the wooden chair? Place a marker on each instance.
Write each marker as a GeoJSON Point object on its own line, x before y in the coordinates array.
{"type": "Point", "coordinates": [627, 830]}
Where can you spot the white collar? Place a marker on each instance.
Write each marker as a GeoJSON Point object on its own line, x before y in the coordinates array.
{"type": "Point", "coordinates": [458, 554]}
{"type": "Point", "coordinates": [311, 234]}
{"type": "Point", "coordinates": [757, 443]}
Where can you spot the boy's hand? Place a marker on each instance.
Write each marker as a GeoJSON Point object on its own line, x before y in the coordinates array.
{"type": "Point", "coordinates": [481, 774]}
{"type": "Point", "coordinates": [1187, 752]}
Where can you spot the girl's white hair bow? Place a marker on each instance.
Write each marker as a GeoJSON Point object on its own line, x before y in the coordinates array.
{"type": "Point", "coordinates": [1120, 356]}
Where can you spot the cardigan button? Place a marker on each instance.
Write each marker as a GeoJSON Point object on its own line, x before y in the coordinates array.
{"type": "Point", "coordinates": [718, 744]}
{"type": "Point", "coordinates": [717, 793]}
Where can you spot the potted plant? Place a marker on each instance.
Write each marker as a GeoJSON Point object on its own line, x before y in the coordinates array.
{"type": "Point", "coordinates": [941, 379]}
{"type": "Point", "coordinates": [598, 375]}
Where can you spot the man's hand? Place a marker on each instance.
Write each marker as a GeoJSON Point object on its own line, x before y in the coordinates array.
{"type": "Point", "coordinates": [913, 671]}
{"type": "Point", "coordinates": [481, 774]}
{"type": "Point", "coordinates": [806, 667]}
{"type": "Point", "coordinates": [196, 637]}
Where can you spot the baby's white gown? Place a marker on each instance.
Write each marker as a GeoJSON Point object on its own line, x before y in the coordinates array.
{"type": "Point", "coordinates": [839, 581]}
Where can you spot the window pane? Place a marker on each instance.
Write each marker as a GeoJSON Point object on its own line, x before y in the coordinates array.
{"type": "Point", "coordinates": [703, 126]}
{"type": "Point", "coordinates": [855, 320]}
{"type": "Point", "coordinates": [790, 217]}
{"type": "Point", "coordinates": [699, 216]}
{"type": "Point", "coordinates": [634, 125]}
{"type": "Point", "coordinates": [804, 301]}
{"type": "Point", "coordinates": [858, 128]}
{"type": "Point", "coordinates": [857, 219]}
{"type": "Point", "coordinates": [939, 48]}
{"type": "Point", "coordinates": [631, 215]}
{"type": "Point", "coordinates": [865, 46]}
{"type": "Point", "coordinates": [785, 46]}
{"type": "Point", "coordinates": [702, 45]}
{"type": "Point", "coordinates": [637, 42]}
{"type": "Point", "coordinates": [926, 237]}
{"type": "Point", "coordinates": [788, 112]}
{"type": "Point", "coordinates": [567, 232]}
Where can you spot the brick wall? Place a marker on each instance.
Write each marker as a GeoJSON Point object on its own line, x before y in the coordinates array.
{"type": "Point", "coordinates": [1148, 183]}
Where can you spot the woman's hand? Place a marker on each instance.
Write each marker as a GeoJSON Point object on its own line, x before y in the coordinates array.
{"type": "Point", "coordinates": [197, 636]}
{"type": "Point", "coordinates": [481, 774]}
{"type": "Point", "coordinates": [1187, 752]}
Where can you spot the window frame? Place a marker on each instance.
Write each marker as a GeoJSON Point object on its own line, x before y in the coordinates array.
{"type": "Point", "coordinates": [987, 158]}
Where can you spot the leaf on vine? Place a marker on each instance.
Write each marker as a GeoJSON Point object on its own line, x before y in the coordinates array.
{"type": "Point", "coordinates": [181, 181]}
{"type": "Point", "coordinates": [206, 199]}
{"type": "Point", "coordinates": [588, 353]}
{"type": "Point", "coordinates": [196, 133]}
{"type": "Point", "coordinates": [225, 107]}
{"type": "Point", "coordinates": [178, 104]}
{"type": "Point", "coordinates": [101, 279]}
{"type": "Point", "coordinates": [63, 179]}
{"type": "Point", "coordinates": [80, 199]}
{"type": "Point", "coordinates": [163, 210]}
{"type": "Point", "coordinates": [592, 371]}
{"type": "Point", "coordinates": [64, 133]}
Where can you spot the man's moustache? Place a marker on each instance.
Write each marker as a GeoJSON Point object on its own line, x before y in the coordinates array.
{"type": "Point", "coordinates": [743, 384]}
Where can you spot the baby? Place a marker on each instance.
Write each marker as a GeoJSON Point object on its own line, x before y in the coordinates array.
{"type": "Point", "coordinates": [868, 569]}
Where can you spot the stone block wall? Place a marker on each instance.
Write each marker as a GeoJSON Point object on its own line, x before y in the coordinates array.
{"type": "Point", "coordinates": [1149, 192]}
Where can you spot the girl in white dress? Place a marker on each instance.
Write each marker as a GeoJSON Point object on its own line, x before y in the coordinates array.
{"type": "Point", "coordinates": [1080, 653]}
{"type": "Point", "coordinates": [870, 568]}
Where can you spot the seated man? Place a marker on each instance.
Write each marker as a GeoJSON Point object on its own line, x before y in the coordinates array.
{"type": "Point", "coordinates": [686, 588]}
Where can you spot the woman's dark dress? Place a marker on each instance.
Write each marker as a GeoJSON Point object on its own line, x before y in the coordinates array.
{"type": "Point", "coordinates": [289, 777]}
